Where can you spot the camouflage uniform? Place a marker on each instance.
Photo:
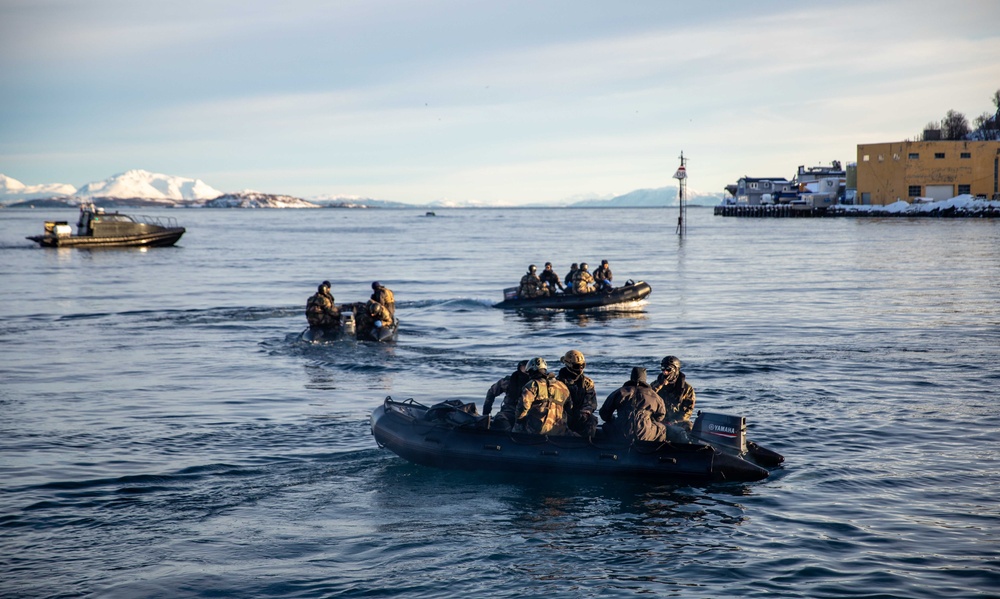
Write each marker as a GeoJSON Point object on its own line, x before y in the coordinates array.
{"type": "Point", "coordinates": [321, 311]}
{"type": "Point", "coordinates": [384, 296]}
{"type": "Point", "coordinates": [365, 316]}
{"type": "Point", "coordinates": [583, 282]}
{"type": "Point", "coordinates": [678, 399]}
{"type": "Point", "coordinates": [510, 386]}
{"type": "Point", "coordinates": [531, 286]}
{"type": "Point", "coordinates": [639, 411]}
{"type": "Point", "coordinates": [583, 401]}
{"type": "Point", "coordinates": [542, 407]}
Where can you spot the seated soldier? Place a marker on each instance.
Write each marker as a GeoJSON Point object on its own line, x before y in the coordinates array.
{"type": "Point", "coordinates": [550, 278]}
{"type": "Point", "coordinates": [583, 281]}
{"type": "Point", "coordinates": [602, 276]}
{"type": "Point", "coordinates": [384, 296]}
{"type": "Point", "coordinates": [634, 411]}
{"type": "Point", "coordinates": [510, 386]}
{"type": "Point", "coordinates": [321, 310]}
{"type": "Point", "coordinates": [544, 400]}
{"type": "Point", "coordinates": [531, 284]}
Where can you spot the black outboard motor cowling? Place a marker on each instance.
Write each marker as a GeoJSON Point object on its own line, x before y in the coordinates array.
{"type": "Point", "coordinates": [721, 430]}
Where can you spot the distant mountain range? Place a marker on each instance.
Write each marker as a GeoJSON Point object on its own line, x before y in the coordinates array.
{"type": "Point", "coordinates": [143, 188]}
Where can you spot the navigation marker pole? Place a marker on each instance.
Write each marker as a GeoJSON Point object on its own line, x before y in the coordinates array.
{"type": "Point", "coordinates": [681, 176]}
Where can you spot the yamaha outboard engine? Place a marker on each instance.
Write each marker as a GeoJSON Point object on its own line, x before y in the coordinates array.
{"type": "Point", "coordinates": [725, 432]}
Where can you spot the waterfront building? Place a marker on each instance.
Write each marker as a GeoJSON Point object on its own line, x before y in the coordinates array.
{"type": "Point", "coordinates": [932, 170]}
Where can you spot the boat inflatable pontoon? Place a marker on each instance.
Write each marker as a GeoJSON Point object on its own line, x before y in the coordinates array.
{"type": "Point", "coordinates": [348, 329]}
{"type": "Point", "coordinates": [444, 436]}
{"type": "Point", "coordinates": [630, 293]}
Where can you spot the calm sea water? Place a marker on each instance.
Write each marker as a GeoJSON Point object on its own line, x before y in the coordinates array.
{"type": "Point", "coordinates": [166, 434]}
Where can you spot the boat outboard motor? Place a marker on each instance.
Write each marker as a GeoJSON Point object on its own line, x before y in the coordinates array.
{"type": "Point", "coordinates": [349, 327]}
{"type": "Point", "coordinates": [721, 430]}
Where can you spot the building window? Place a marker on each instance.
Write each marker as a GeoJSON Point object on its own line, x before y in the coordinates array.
{"type": "Point", "coordinates": [964, 189]}
{"type": "Point", "coordinates": [864, 158]}
{"type": "Point", "coordinates": [752, 186]}
{"type": "Point", "coordinates": [965, 155]}
{"type": "Point", "coordinates": [913, 191]}
{"type": "Point", "coordinates": [938, 155]}
{"type": "Point", "coordinates": [881, 158]}
{"type": "Point", "coordinates": [895, 156]}
{"type": "Point", "coordinates": [914, 156]}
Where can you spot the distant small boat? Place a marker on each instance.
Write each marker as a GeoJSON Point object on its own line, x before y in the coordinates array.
{"type": "Point", "coordinates": [97, 228]}
{"type": "Point", "coordinates": [430, 214]}
{"type": "Point", "coordinates": [629, 293]}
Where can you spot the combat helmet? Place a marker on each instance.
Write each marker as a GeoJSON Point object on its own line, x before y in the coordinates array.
{"type": "Point", "coordinates": [538, 364]}
{"type": "Point", "coordinates": [573, 358]}
{"type": "Point", "coordinates": [532, 268]}
{"type": "Point", "coordinates": [670, 363]}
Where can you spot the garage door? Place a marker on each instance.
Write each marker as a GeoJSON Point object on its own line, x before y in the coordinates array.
{"type": "Point", "coordinates": [939, 192]}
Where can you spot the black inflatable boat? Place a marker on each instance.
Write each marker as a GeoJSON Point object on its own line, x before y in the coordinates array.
{"type": "Point", "coordinates": [617, 298]}
{"type": "Point", "coordinates": [348, 329]}
{"type": "Point", "coordinates": [446, 437]}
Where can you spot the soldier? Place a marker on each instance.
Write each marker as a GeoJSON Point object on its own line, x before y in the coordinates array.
{"type": "Point", "coordinates": [570, 277]}
{"type": "Point", "coordinates": [542, 407]}
{"type": "Point", "coordinates": [321, 310]}
{"type": "Point", "coordinates": [550, 278]}
{"type": "Point", "coordinates": [531, 285]}
{"type": "Point", "coordinates": [634, 411]}
{"type": "Point", "coordinates": [371, 315]}
{"type": "Point", "coordinates": [678, 396]}
{"type": "Point", "coordinates": [583, 282]}
{"type": "Point", "coordinates": [583, 395]}
{"type": "Point", "coordinates": [385, 297]}
{"type": "Point", "coordinates": [510, 386]}
{"type": "Point", "coordinates": [603, 276]}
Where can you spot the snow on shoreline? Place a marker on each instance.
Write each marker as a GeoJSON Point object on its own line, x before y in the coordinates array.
{"type": "Point", "coordinates": [962, 203]}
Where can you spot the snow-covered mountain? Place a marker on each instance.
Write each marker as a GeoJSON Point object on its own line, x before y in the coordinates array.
{"type": "Point", "coordinates": [255, 199]}
{"type": "Point", "coordinates": [12, 190]}
{"type": "Point", "coordinates": [650, 198]}
{"type": "Point", "coordinates": [138, 183]}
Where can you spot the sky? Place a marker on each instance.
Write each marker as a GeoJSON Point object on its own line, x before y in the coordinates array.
{"type": "Point", "coordinates": [496, 102]}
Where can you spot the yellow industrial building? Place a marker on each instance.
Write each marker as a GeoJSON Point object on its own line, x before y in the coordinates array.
{"type": "Point", "coordinates": [889, 172]}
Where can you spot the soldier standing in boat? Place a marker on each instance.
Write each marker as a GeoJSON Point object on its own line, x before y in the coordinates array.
{"type": "Point", "coordinates": [531, 284]}
{"type": "Point", "coordinates": [583, 395]}
{"type": "Point", "coordinates": [550, 278]}
{"type": "Point", "coordinates": [510, 386]}
{"type": "Point", "coordinates": [542, 407]}
{"type": "Point", "coordinates": [677, 394]}
{"type": "Point", "coordinates": [384, 296]}
{"type": "Point", "coordinates": [321, 309]}
{"type": "Point", "coordinates": [634, 411]}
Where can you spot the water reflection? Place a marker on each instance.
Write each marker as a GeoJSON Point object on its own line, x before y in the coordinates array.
{"type": "Point", "coordinates": [539, 320]}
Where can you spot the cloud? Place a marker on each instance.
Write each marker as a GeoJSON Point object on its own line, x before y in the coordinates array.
{"type": "Point", "coordinates": [538, 100]}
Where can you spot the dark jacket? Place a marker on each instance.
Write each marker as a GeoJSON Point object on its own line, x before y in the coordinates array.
{"type": "Point", "coordinates": [510, 386]}
{"type": "Point", "coordinates": [633, 413]}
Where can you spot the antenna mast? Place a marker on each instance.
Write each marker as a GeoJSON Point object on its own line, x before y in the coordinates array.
{"type": "Point", "coordinates": [681, 176]}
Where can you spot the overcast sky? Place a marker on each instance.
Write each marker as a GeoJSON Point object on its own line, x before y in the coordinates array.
{"type": "Point", "coordinates": [496, 101]}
